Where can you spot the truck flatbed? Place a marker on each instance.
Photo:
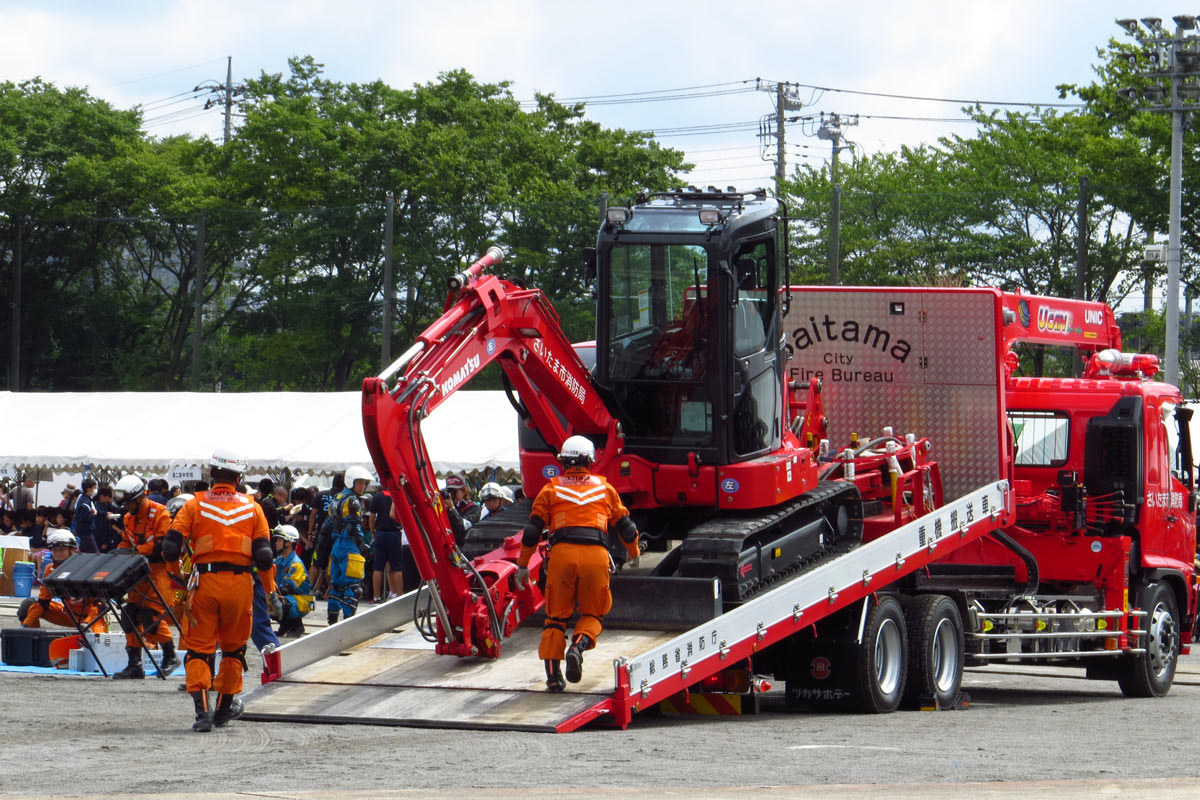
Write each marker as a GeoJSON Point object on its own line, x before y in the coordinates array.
{"type": "Point", "coordinates": [376, 669]}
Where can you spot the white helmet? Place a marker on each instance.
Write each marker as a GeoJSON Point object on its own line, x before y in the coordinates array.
{"type": "Point", "coordinates": [128, 489]}
{"type": "Point", "coordinates": [177, 502]}
{"type": "Point", "coordinates": [506, 494]}
{"type": "Point", "coordinates": [357, 473]}
{"type": "Point", "coordinates": [491, 491]}
{"type": "Point", "coordinates": [227, 458]}
{"type": "Point", "coordinates": [61, 537]}
{"type": "Point", "coordinates": [286, 532]}
{"type": "Point", "coordinates": [577, 450]}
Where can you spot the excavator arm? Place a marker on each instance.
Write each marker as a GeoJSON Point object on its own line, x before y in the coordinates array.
{"type": "Point", "coordinates": [486, 319]}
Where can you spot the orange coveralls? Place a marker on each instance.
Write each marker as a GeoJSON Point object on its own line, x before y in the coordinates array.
{"type": "Point", "coordinates": [88, 612]}
{"type": "Point", "coordinates": [144, 532]}
{"type": "Point", "coordinates": [578, 508]}
{"type": "Point", "coordinates": [220, 526]}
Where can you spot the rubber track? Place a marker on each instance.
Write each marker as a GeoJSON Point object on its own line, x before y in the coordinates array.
{"type": "Point", "coordinates": [744, 527]}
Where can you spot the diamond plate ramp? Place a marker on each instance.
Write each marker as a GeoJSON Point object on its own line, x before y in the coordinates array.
{"type": "Point", "coordinates": [397, 679]}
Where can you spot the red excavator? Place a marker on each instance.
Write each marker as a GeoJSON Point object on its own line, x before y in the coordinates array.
{"type": "Point", "coordinates": [687, 401]}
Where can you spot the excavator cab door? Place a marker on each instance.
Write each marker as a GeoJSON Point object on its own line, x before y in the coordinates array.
{"type": "Point", "coordinates": [755, 381]}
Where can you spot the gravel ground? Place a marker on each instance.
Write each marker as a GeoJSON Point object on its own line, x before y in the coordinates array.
{"type": "Point", "coordinates": [1029, 732]}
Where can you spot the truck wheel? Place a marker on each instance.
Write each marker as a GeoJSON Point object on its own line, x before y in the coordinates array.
{"type": "Point", "coordinates": [882, 658]}
{"type": "Point", "coordinates": [935, 650]}
{"type": "Point", "coordinates": [1150, 674]}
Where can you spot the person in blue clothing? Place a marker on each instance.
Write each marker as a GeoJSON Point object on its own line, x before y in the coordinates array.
{"type": "Point", "coordinates": [347, 560]}
{"type": "Point", "coordinates": [291, 582]}
{"type": "Point", "coordinates": [107, 523]}
{"type": "Point", "coordinates": [85, 511]}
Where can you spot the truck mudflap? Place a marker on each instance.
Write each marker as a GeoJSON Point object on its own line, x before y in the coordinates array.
{"type": "Point", "coordinates": [376, 669]}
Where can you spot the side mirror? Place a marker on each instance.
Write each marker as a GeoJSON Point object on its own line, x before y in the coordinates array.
{"type": "Point", "coordinates": [589, 264]}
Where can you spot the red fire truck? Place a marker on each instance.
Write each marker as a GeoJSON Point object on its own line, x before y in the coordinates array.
{"type": "Point", "coordinates": [850, 491]}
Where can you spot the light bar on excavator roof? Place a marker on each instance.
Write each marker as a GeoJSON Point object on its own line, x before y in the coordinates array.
{"type": "Point", "coordinates": [618, 215]}
{"type": "Point", "coordinates": [710, 216]}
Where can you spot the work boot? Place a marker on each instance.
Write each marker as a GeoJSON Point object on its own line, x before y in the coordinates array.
{"type": "Point", "coordinates": [204, 713]}
{"type": "Point", "coordinates": [229, 708]}
{"type": "Point", "coordinates": [134, 668]}
{"type": "Point", "coordinates": [291, 627]}
{"type": "Point", "coordinates": [554, 676]}
{"type": "Point", "coordinates": [575, 656]}
{"type": "Point", "coordinates": [170, 661]}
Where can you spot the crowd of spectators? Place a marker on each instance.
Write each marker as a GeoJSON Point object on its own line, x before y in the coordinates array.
{"type": "Point", "coordinates": [89, 512]}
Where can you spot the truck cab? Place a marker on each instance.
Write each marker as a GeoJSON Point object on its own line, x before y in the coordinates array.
{"type": "Point", "coordinates": [1106, 463]}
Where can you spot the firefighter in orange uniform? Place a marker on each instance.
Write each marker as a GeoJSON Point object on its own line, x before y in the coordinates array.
{"type": "Point", "coordinates": [580, 509]}
{"type": "Point", "coordinates": [89, 613]}
{"type": "Point", "coordinates": [146, 524]}
{"type": "Point", "coordinates": [228, 534]}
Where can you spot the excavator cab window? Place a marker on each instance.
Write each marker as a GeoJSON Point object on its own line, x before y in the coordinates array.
{"type": "Point", "coordinates": [660, 341]}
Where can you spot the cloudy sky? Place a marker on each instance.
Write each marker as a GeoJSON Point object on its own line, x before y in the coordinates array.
{"type": "Point", "coordinates": [686, 70]}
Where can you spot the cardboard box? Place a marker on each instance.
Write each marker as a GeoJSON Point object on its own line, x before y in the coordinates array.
{"type": "Point", "coordinates": [13, 554]}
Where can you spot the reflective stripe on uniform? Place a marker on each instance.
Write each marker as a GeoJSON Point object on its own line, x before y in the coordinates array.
{"type": "Point", "coordinates": [225, 516]}
{"type": "Point", "coordinates": [579, 498]}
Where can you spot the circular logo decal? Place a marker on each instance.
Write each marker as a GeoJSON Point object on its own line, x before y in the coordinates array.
{"type": "Point", "coordinates": [819, 668]}
{"type": "Point", "coordinates": [1023, 312]}
{"type": "Point", "coordinates": [550, 471]}
{"type": "Point", "coordinates": [730, 485]}
{"type": "Point", "coordinates": [1096, 547]}
{"type": "Point", "coordinates": [491, 346]}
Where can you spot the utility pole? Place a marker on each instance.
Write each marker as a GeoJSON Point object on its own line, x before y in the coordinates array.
{"type": "Point", "coordinates": [786, 99]}
{"type": "Point", "coordinates": [223, 94]}
{"type": "Point", "coordinates": [389, 287]}
{"type": "Point", "coordinates": [1081, 249]}
{"type": "Point", "coordinates": [1172, 64]}
{"type": "Point", "coordinates": [14, 361]}
{"type": "Point", "coordinates": [831, 130]}
{"type": "Point", "coordinates": [198, 309]}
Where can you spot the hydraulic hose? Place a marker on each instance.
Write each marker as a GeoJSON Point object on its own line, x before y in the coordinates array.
{"type": "Point", "coordinates": [1033, 577]}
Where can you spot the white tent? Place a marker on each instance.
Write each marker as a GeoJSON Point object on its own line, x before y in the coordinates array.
{"type": "Point", "coordinates": [304, 431]}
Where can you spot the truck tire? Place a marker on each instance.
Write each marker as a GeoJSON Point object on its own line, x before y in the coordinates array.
{"type": "Point", "coordinates": [936, 651]}
{"type": "Point", "coordinates": [1150, 674]}
{"type": "Point", "coordinates": [882, 658]}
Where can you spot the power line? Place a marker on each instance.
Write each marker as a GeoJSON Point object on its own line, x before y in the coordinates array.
{"type": "Point", "coordinates": [695, 96]}
{"type": "Point", "coordinates": [634, 97]}
{"type": "Point", "coordinates": [166, 121]}
{"type": "Point", "coordinates": [941, 99]}
{"type": "Point", "coordinates": [724, 149]}
{"type": "Point", "coordinates": [163, 102]}
{"type": "Point", "coordinates": [168, 72]}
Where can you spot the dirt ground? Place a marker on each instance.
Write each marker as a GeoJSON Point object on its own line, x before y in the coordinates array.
{"type": "Point", "coordinates": [1028, 733]}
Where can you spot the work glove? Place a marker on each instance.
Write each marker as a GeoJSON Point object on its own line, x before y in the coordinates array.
{"type": "Point", "coordinates": [634, 551]}
{"type": "Point", "coordinates": [274, 607]}
{"type": "Point", "coordinates": [522, 578]}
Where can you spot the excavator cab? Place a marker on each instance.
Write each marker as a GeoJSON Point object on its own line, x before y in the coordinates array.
{"type": "Point", "coordinates": [688, 325]}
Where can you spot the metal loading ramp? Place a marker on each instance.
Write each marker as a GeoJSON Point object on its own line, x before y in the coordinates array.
{"type": "Point", "coordinates": [397, 679]}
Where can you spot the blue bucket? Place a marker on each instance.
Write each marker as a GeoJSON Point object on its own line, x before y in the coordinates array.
{"type": "Point", "coordinates": [23, 578]}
